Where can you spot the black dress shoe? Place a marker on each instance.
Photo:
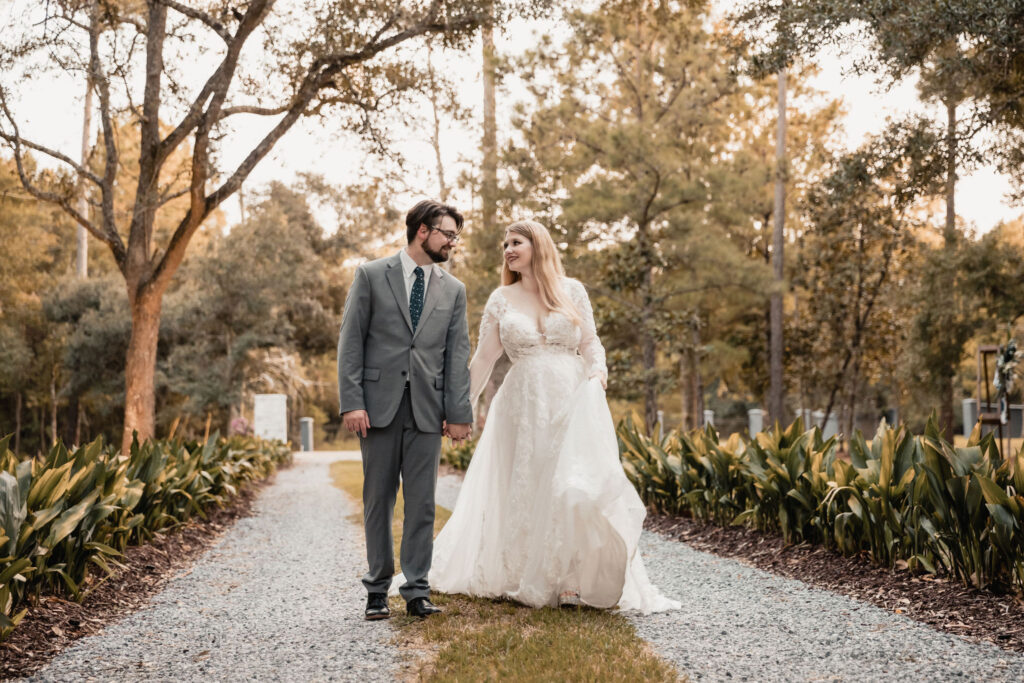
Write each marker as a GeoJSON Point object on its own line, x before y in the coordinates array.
{"type": "Point", "coordinates": [421, 607]}
{"type": "Point", "coordinates": [377, 606]}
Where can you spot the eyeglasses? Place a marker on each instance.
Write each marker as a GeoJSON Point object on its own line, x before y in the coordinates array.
{"type": "Point", "coordinates": [452, 237]}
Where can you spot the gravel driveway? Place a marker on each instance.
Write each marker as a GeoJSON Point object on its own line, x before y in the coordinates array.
{"type": "Point", "coordinates": [279, 598]}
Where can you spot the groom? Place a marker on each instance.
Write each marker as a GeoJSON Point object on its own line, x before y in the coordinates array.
{"type": "Point", "coordinates": [403, 380]}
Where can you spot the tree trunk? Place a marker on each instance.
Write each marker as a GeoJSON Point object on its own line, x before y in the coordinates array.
{"type": "Point", "coordinates": [78, 422]}
{"type": "Point", "coordinates": [649, 352]}
{"type": "Point", "coordinates": [946, 407]}
{"type": "Point", "coordinates": [489, 187]}
{"type": "Point", "coordinates": [82, 261]}
{"type": "Point", "coordinates": [950, 234]}
{"type": "Point", "coordinates": [68, 433]}
{"type": "Point", "coordinates": [53, 405]}
{"type": "Point", "coordinates": [691, 381]}
{"type": "Point", "coordinates": [17, 422]}
{"type": "Point", "coordinates": [852, 398]}
{"type": "Point", "coordinates": [648, 342]}
{"type": "Point", "coordinates": [776, 396]}
{"type": "Point", "coordinates": [950, 240]}
{"type": "Point", "coordinates": [435, 135]}
{"type": "Point", "coordinates": [140, 369]}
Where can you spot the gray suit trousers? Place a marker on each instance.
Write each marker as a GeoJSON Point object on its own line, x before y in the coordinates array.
{"type": "Point", "coordinates": [399, 449]}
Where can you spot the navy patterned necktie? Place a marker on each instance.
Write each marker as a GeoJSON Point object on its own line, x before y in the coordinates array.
{"type": "Point", "coordinates": [416, 298]}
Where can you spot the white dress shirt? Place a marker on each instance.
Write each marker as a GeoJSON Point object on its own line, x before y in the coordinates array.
{"type": "Point", "coordinates": [408, 266]}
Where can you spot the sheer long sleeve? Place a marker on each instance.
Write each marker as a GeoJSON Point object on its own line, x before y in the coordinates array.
{"type": "Point", "coordinates": [488, 349]}
{"type": "Point", "coordinates": [590, 345]}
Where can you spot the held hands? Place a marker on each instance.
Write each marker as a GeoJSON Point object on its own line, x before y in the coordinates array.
{"type": "Point", "coordinates": [356, 421]}
{"type": "Point", "coordinates": [458, 432]}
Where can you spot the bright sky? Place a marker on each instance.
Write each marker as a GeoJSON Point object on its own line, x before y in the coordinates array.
{"type": "Point", "coordinates": [51, 113]}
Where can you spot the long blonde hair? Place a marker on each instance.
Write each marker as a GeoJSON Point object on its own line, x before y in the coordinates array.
{"type": "Point", "coordinates": [547, 269]}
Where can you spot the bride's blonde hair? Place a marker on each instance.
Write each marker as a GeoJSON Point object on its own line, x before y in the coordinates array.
{"type": "Point", "coordinates": [547, 268]}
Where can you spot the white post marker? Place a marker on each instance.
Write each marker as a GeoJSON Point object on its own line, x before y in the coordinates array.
{"type": "Point", "coordinates": [270, 416]}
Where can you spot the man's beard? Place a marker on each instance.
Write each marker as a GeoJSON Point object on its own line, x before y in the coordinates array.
{"type": "Point", "coordinates": [435, 256]}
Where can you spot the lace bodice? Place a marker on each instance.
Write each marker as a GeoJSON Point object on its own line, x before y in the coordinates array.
{"type": "Point", "coordinates": [505, 329]}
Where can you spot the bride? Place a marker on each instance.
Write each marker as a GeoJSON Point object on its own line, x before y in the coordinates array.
{"type": "Point", "coordinates": [545, 515]}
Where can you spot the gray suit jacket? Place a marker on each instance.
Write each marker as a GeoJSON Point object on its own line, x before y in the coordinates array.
{"type": "Point", "coordinates": [378, 351]}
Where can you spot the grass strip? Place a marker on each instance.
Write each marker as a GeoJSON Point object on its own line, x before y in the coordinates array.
{"type": "Point", "coordinates": [479, 639]}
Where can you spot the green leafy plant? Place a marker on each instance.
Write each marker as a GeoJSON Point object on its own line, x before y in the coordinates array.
{"type": "Point", "coordinates": [902, 499]}
{"type": "Point", "coordinates": [69, 513]}
{"type": "Point", "coordinates": [458, 456]}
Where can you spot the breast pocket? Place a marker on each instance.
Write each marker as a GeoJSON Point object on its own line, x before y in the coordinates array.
{"type": "Point", "coordinates": [371, 374]}
{"type": "Point", "coordinates": [439, 382]}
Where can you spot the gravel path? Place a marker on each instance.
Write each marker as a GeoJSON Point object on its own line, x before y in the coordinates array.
{"type": "Point", "coordinates": [277, 598]}
{"type": "Point", "coordinates": [742, 624]}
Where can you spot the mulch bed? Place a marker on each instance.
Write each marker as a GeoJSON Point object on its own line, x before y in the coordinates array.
{"type": "Point", "coordinates": [944, 604]}
{"type": "Point", "coordinates": [55, 622]}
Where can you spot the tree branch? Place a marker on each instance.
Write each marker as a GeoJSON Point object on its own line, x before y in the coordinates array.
{"type": "Point", "coordinates": [320, 75]}
{"type": "Point", "coordinates": [217, 83]}
{"type": "Point", "coordinates": [252, 109]}
{"type": "Point", "coordinates": [81, 170]}
{"type": "Point", "coordinates": [64, 202]}
{"type": "Point", "coordinates": [201, 16]}
{"type": "Point", "coordinates": [174, 195]}
{"type": "Point", "coordinates": [110, 144]}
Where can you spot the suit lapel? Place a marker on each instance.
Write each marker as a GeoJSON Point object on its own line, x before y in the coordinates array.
{"type": "Point", "coordinates": [435, 291]}
{"type": "Point", "coordinates": [396, 278]}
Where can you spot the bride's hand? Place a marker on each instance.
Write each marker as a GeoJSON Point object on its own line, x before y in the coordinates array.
{"type": "Point", "coordinates": [601, 378]}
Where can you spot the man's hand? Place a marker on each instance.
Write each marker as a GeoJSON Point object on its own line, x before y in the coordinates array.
{"type": "Point", "coordinates": [356, 421]}
{"type": "Point", "coordinates": [458, 433]}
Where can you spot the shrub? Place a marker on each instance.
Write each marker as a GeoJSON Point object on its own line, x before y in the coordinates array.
{"type": "Point", "coordinates": [901, 498]}
{"type": "Point", "coordinates": [458, 456]}
{"type": "Point", "coordinates": [71, 511]}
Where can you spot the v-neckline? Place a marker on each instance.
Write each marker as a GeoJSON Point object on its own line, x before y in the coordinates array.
{"type": "Point", "coordinates": [536, 323]}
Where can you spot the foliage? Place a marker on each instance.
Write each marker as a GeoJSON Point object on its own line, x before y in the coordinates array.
{"type": "Point", "coordinates": [620, 154]}
{"type": "Point", "coordinates": [900, 498]}
{"type": "Point", "coordinates": [339, 59]}
{"type": "Point", "coordinates": [71, 512]}
{"type": "Point", "coordinates": [252, 302]}
{"type": "Point", "coordinates": [262, 287]}
{"type": "Point", "coordinates": [966, 55]}
{"type": "Point", "coordinates": [856, 256]}
{"type": "Point", "coordinates": [458, 456]}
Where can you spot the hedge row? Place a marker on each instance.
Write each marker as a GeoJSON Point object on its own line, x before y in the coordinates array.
{"type": "Point", "coordinates": [902, 498]}
{"type": "Point", "coordinates": [69, 511]}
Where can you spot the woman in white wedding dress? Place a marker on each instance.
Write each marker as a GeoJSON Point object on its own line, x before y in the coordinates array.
{"type": "Point", "coordinates": [545, 514]}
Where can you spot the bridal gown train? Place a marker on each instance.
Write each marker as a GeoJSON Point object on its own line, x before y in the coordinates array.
{"type": "Point", "coordinates": [545, 506]}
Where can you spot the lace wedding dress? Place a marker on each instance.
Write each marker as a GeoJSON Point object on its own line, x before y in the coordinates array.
{"type": "Point", "coordinates": [545, 506]}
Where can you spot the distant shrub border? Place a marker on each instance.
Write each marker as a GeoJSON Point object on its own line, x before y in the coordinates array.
{"type": "Point", "coordinates": [458, 456]}
{"type": "Point", "coordinates": [70, 510]}
{"type": "Point", "coordinates": [913, 501]}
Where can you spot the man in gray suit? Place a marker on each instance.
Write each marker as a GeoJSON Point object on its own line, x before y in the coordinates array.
{"type": "Point", "coordinates": [403, 380]}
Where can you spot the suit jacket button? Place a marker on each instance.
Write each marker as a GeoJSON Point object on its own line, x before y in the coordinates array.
{"type": "Point", "coordinates": [403, 373]}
